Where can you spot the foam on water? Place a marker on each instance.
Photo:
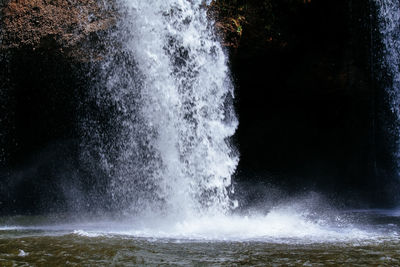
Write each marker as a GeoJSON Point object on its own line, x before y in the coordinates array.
{"type": "Point", "coordinates": [274, 227]}
{"type": "Point", "coordinates": [281, 225]}
{"type": "Point", "coordinates": [87, 234]}
{"type": "Point", "coordinates": [22, 253]}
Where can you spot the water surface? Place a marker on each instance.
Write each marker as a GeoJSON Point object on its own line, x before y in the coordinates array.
{"type": "Point", "coordinates": [362, 238]}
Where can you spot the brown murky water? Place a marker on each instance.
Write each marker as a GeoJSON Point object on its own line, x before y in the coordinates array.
{"type": "Point", "coordinates": [124, 251]}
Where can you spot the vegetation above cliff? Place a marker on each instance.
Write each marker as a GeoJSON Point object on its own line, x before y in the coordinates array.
{"type": "Point", "coordinates": [261, 23]}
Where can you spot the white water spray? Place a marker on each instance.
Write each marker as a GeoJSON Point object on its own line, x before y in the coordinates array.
{"type": "Point", "coordinates": [168, 85]}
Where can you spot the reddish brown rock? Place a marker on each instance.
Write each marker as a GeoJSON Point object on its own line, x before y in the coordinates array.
{"type": "Point", "coordinates": [63, 25]}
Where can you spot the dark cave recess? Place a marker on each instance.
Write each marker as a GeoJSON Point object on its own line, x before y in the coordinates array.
{"type": "Point", "coordinates": [312, 109]}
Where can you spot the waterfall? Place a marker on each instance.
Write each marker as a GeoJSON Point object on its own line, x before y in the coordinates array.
{"type": "Point", "coordinates": [389, 27]}
{"type": "Point", "coordinates": [164, 111]}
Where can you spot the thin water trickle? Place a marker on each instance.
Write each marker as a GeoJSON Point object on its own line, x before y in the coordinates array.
{"type": "Point", "coordinates": [389, 28]}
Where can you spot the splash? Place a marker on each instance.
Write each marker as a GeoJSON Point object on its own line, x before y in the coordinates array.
{"type": "Point", "coordinates": [285, 224]}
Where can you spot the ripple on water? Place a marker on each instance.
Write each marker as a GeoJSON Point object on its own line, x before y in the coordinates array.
{"type": "Point", "coordinates": [81, 250]}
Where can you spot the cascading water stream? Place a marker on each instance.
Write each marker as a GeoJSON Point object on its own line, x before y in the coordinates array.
{"type": "Point", "coordinates": [167, 149]}
{"type": "Point", "coordinates": [389, 27]}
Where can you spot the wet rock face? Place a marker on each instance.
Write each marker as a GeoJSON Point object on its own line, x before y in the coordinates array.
{"type": "Point", "coordinates": [47, 50]}
{"type": "Point", "coordinates": [54, 25]}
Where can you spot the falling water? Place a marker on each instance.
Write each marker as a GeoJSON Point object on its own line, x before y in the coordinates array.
{"type": "Point", "coordinates": [166, 146]}
{"type": "Point", "coordinates": [389, 27]}
{"type": "Point", "coordinates": [159, 132]}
